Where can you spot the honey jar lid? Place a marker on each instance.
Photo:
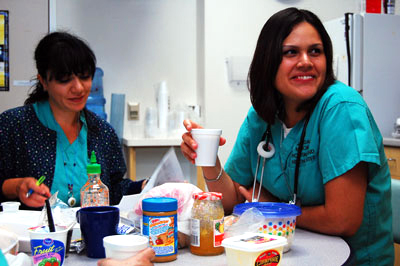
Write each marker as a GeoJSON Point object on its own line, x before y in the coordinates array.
{"type": "Point", "coordinates": [207, 196]}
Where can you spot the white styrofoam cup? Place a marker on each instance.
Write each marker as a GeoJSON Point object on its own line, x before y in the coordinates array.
{"type": "Point", "coordinates": [208, 144]}
{"type": "Point", "coordinates": [121, 247]}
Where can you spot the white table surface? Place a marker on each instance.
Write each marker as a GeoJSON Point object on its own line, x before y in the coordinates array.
{"type": "Point", "coordinates": [308, 248]}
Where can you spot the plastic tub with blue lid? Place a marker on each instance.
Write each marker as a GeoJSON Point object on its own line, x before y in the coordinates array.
{"type": "Point", "coordinates": [280, 218]}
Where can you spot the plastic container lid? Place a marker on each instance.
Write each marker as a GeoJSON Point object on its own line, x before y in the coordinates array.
{"type": "Point", "coordinates": [206, 131]}
{"type": "Point", "coordinates": [207, 196]}
{"type": "Point", "coordinates": [159, 204]}
{"type": "Point", "coordinates": [254, 242]}
{"type": "Point", "coordinates": [269, 209]}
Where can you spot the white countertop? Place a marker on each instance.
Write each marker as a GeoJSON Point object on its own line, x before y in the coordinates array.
{"type": "Point", "coordinates": [151, 142]}
{"type": "Point", "coordinates": [391, 142]}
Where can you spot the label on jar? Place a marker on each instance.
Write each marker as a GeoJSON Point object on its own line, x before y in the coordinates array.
{"type": "Point", "coordinates": [218, 232]}
{"type": "Point", "coordinates": [195, 232]}
{"type": "Point", "coordinates": [162, 235]}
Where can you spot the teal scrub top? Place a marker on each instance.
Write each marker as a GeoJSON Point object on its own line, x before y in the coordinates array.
{"type": "Point", "coordinates": [3, 260]}
{"type": "Point", "coordinates": [341, 133]}
{"type": "Point", "coordinates": [71, 159]}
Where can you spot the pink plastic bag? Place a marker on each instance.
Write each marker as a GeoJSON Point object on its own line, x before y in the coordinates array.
{"type": "Point", "coordinates": [180, 191]}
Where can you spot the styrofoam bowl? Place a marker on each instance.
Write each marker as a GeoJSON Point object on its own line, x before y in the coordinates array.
{"type": "Point", "coordinates": [10, 206]}
{"type": "Point", "coordinates": [124, 246]}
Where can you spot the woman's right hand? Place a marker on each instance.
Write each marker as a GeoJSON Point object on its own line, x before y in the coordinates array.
{"type": "Point", "coordinates": [39, 195]}
{"type": "Point", "coordinates": [19, 187]}
{"type": "Point", "coordinates": [189, 145]}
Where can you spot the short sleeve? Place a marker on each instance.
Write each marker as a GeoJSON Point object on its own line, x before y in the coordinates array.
{"type": "Point", "coordinates": [238, 165]}
{"type": "Point", "coordinates": [347, 137]}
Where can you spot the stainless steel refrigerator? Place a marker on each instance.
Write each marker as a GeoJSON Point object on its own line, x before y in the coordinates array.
{"type": "Point", "coordinates": [367, 57]}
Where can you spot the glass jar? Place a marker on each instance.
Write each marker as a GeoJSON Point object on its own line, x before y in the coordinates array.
{"type": "Point", "coordinates": [207, 224]}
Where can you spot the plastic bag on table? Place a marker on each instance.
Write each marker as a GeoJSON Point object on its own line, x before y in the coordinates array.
{"type": "Point", "coordinates": [249, 221]}
{"type": "Point", "coordinates": [63, 215]}
{"type": "Point", "coordinates": [182, 192]}
{"type": "Point", "coordinates": [168, 170]}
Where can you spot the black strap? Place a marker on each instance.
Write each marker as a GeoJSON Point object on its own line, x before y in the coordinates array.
{"type": "Point", "coordinates": [299, 151]}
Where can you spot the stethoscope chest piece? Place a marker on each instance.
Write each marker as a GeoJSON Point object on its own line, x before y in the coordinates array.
{"type": "Point", "coordinates": [263, 152]}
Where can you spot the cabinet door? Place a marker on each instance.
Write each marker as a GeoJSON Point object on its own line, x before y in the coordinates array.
{"type": "Point", "coordinates": [393, 157]}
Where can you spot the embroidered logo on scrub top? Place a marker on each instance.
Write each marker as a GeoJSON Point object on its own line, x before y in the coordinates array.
{"type": "Point", "coordinates": [307, 155]}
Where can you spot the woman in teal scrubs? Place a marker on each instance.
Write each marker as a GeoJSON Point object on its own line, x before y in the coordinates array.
{"type": "Point", "coordinates": [343, 176]}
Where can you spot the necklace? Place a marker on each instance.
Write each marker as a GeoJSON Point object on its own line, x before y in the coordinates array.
{"type": "Point", "coordinates": [71, 199]}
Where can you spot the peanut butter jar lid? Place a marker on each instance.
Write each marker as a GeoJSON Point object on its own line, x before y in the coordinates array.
{"type": "Point", "coordinates": [159, 204]}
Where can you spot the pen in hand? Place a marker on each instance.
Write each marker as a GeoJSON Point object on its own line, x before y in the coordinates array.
{"type": "Point", "coordinates": [38, 183]}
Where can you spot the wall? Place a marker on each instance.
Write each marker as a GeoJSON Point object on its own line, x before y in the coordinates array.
{"type": "Point", "coordinates": [138, 44]}
{"type": "Point", "coordinates": [28, 22]}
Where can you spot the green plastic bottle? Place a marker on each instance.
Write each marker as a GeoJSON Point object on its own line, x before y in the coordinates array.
{"type": "Point", "coordinates": [94, 192]}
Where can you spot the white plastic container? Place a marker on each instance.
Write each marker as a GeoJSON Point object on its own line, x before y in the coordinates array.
{"type": "Point", "coordinates": [280, 218]}
{"type": "Point", "coordinates": [163, 107]}
{"type": "Point", "coordinates": [48, 246]}
{"type": "Point", "coordinates": [10, 206]}
{"type": "Point", "coordinates": [151, 123]}
{"type": "Point", "coordinates": [254, 249]}
{"type": "Point", "coordinates": [208, 144]}
{"type": "Point", "coordinates": [124, 246]}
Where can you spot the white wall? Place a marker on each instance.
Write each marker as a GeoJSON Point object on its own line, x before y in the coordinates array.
{"type": "Point", "coordinates": [138, 44]}
{"type": "Point", "coordinates": [231, 29]}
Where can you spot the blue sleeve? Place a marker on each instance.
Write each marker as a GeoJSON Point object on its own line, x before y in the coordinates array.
{"type": "Point", "coordinates": [238, 165]}
{"type": "Point", "coordinates": [348, 136]}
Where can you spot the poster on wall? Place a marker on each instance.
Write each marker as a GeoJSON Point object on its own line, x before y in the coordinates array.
{"type": "Point", "coordinates": [4, 60]}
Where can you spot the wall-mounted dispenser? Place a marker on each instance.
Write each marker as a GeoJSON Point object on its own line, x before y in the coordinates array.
{"type": "Point", "coordinates": [238, 69]}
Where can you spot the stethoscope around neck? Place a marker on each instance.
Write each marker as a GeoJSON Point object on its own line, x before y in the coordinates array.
{"type": "Point", "coordinates": [266, 150]}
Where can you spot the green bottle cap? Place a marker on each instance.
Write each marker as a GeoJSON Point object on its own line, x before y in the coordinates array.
{"type": "Point", "coordinates": [93, 167]}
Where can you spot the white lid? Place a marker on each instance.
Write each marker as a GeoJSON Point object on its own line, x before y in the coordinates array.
{"type": "Point", "coordinates": [253, 242]}
{"type": "Point", "coordinates": [126, 242]}
{"type": "Point", "coordinates": [206, 131]}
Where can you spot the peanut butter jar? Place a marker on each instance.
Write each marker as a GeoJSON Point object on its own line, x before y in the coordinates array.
{"type": "Point", "coordinates": [160, 224]}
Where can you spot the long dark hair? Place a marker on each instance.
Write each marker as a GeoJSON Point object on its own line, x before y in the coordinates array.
{"type": "Point", "coordinates": [60, 54]}
{"type": "Point", "coordinates": [265, 98]}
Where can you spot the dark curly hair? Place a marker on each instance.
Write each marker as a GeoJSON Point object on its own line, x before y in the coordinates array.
{"type": "Point", "coordinates": [265, 98]}
{"type": "Point", "coordinates": [60, 54]}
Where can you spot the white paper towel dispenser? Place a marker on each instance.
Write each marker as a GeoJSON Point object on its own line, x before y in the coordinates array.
{"type": "Point", "coordinates": [238, 69]}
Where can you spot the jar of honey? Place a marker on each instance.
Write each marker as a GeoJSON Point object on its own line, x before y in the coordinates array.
{"type": "Point", "coordinates": [207, 224]}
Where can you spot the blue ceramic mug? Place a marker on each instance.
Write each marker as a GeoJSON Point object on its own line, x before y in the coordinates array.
{"type": "Point", "coordinates": [97, 223]}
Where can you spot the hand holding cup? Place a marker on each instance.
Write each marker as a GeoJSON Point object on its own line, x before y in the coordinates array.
{"type": "Point", "coordinates": [190, 145]}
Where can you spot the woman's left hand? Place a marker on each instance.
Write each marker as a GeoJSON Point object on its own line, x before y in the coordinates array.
{"type": "Point", "coordinates": [265, 195]}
